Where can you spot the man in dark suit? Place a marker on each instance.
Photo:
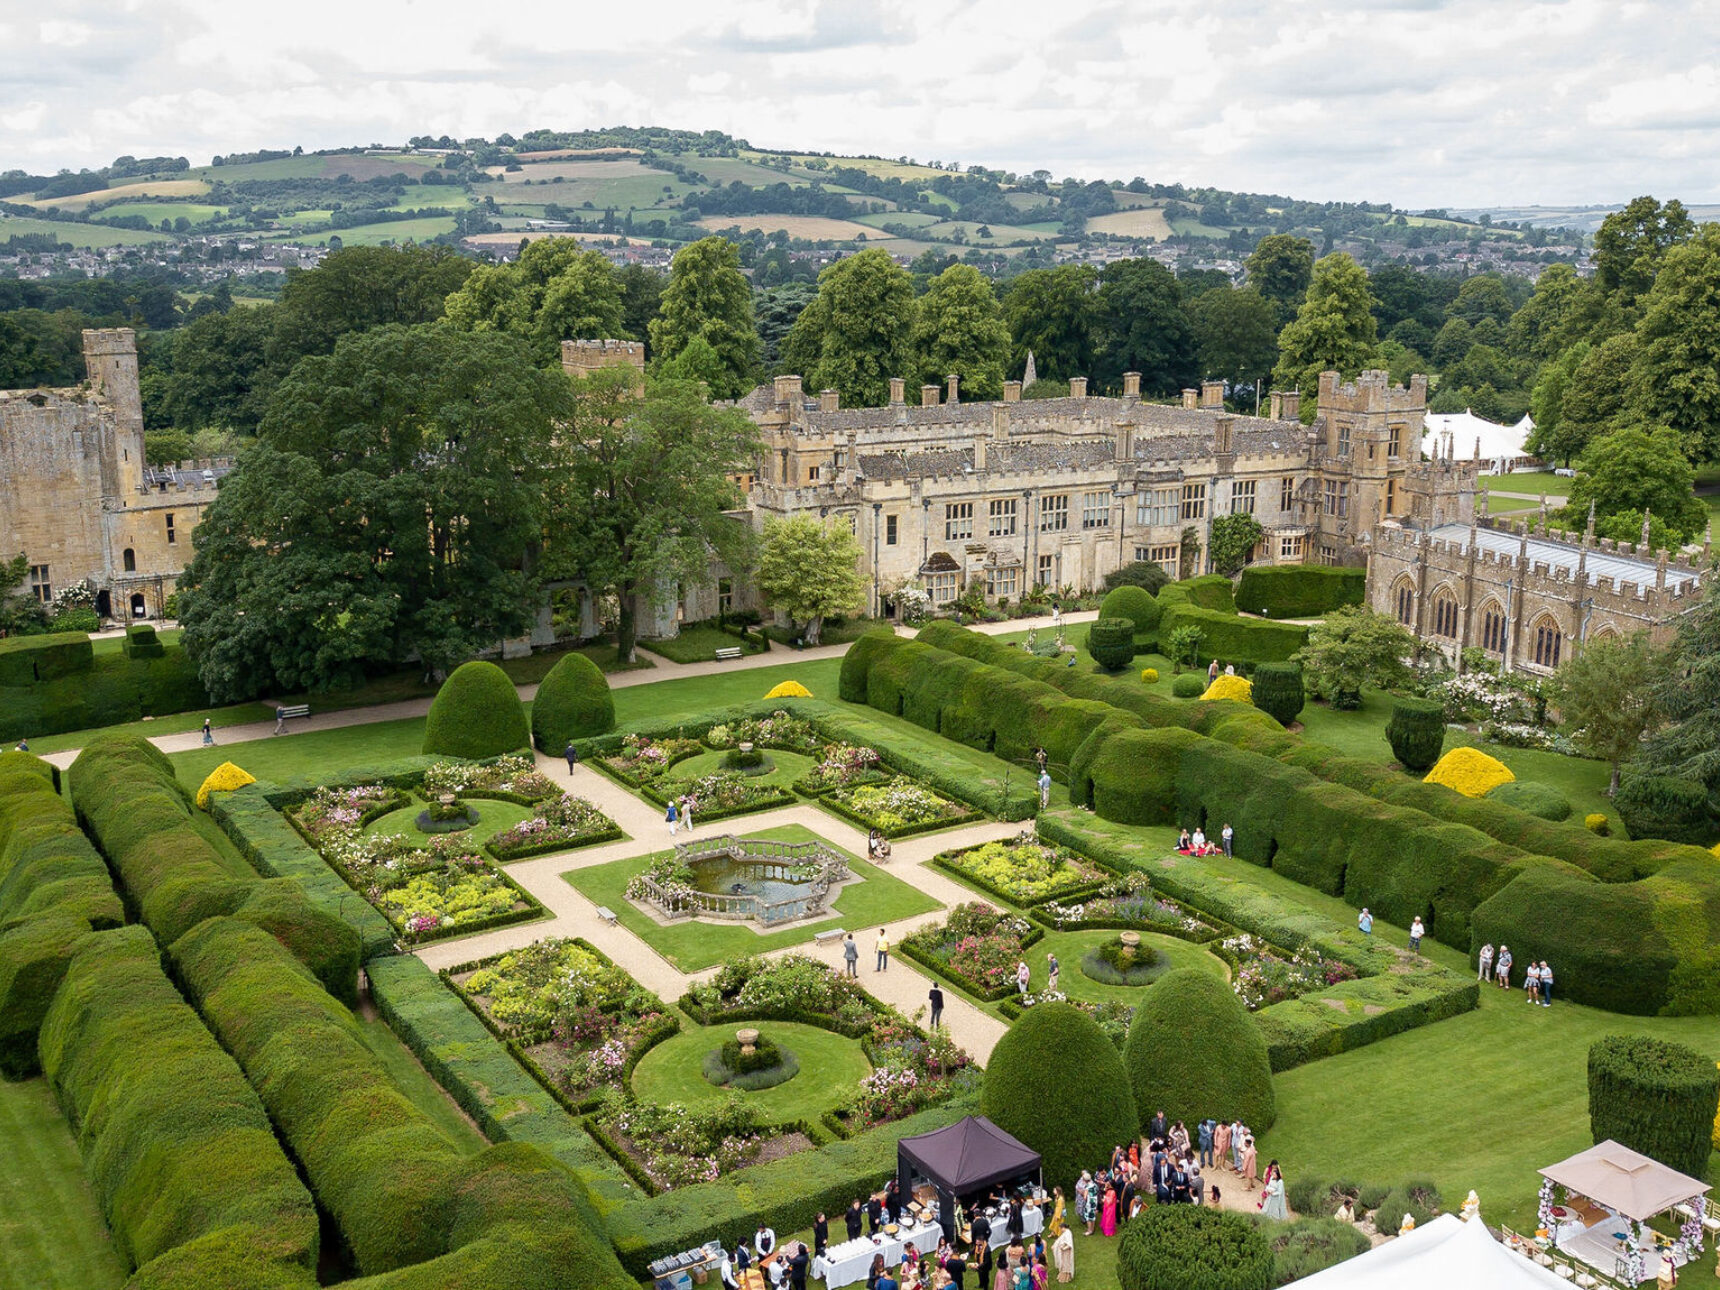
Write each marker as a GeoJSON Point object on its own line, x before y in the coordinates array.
{"type": "Point", "coordinates": [874, 1214]}
{"type": "Point", "coordinates": [853, 1218]}
{"type": "Point", "coordinates": [797, 1267]}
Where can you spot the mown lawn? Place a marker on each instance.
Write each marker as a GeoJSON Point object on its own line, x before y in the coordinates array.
{"type": "Point", "coordinates": [830, 1067]}
{"type": "Point", "coordinates": [698, 644]}
{"type": "Point", "coordinates": [493, 817]}
{"type": "Point", "coordinates": [51, 1231]}
{"type": "Point", "coordinates": [690, 695]}
{"type": "Point", "coordinates": [320, 752]}
{"type": "Point", "coordinates": [786, 767]}
{"type": "Point", "coordinates": [691, 946]}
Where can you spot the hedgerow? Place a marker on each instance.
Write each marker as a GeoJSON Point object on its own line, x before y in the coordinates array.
{"type": "Point", "coordinates": [1654, 1096]}
{"type": "Point", "coordinates": [1191, 1247]}
{"type": "Point", "coordinates": [1299, 590]}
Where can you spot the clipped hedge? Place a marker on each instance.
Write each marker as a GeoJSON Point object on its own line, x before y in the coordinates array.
{"type": "Point", "coordinates": [1416, 732]}
{"type": "Point", "coordinates": [1193, 1051]}
{"type": "Point", "coordinates": [112, 690]}
{"type": "Point", "coordinates": [1659, 806]}
{"type": "Point", "coordinates": [1137, 604]}
{"type": "Point", "coordinates": [1192, 1247]}
{"type": "Point", "coordinates": [177, 1147]}
{"type": "Point", "coordinates": [1111, 641]}
{"type": "Point", "coordinates": [1278, 691]}
{"type": "Point", "coordinates": [1056, 1083]}
{"type": "Point", "coordinates": [1229, 637]}
{"type": "Point", "coordinates": [1656, 1097]}
{"type": "Point", "coordinates": [476, 714]}
{"type": "Point", "coordinates": [573, 702]}
{"type": "Point", "coordinates": [142, 642]}
{"type": "Point", "coordinates": [1540, 800]}
{"type": "Point", "coordinates": [25, 660]}
{"type": "Point", "coordinates": [175, 877]}
{"type": "Point", "coordinates": [1299, 590]}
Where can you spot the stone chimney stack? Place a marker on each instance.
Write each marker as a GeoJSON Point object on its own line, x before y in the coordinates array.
{"type": "Point", "coordinates": [928, 396]}
{"type": "Point", "coordinates": [1012, 391]}
{"type": "Point", "coordinates": [1212, 394]}
{"type": "Point", "coordinates": [1131, 385]}
{"type": "Point", "coordinates": [829, 401]}
{"type": "Point", "coordinates": [1292, 405]}
{"type": "Point", "coordinates": [979, 452]}
{"type": "Point", "coordinates": [1191, 398]}
{"type": "Point", "coordinates": [954, 396]}
{"type": "Point", "coordinates": [788, 390]}
{"type": "Point", "coordinates": [1221, 436]}
{"type": "Point", "coordinates": [1077, 387]}
{"type": "Point", "coordinates": [898, 390]}
{"type": "Point", "coordinates": [1125, 441]}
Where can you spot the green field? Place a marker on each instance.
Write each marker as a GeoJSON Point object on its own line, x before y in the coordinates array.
{"type": "Point", "coordinates": [308, 754]}
{"type": "Point", "coordinates": [1529, 481]}
{"type": "Point", "coordinates": [691, 946]}
{"type": "Point", "coordinates": [155, 212]}
{"type": "Point", "coordinates": [51, 1231]}
{"type": "Point", "coordinates": [493, 818]}
{"type": "Point", "coordinates": [83, 236]}
{"type": "Point", "coordinates": [829, 1067]}
{"type": "Point", "coordinates": [413, 230]}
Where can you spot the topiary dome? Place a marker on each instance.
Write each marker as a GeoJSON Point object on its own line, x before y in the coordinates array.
{"type": "Point", "coordinates": [1190, 1247]}
{"type": "Point", "coordinates": [1469, 771]}
{"type": "Point", "coordinates": [477, 713]}
{"type": "Point", "coordinates": [1239, 688]}
{"type": "Point", "coordinates": [1193, 1051]}
{"type": "Point", "coordinates": [572, 703]}
{"type": "Point", "coordinates": [789, 690]}
{"type": "Point", "coordinates": [1057, 1083]}
{"type": "Point", "coordinates": [1137, 604]}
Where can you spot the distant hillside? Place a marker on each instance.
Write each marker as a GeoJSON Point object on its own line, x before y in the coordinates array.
{"type": "Point", "coordinates": [662, 188]}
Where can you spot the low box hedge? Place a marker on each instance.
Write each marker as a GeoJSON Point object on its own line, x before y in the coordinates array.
{"type": "Point", "coordinates": [142, 642]}
{"type": "Point", "coordinates": [178, 1148]}
{"type": "Point", "coordinates": [1299, 590]}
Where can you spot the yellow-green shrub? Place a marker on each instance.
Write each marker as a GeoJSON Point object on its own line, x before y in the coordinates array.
{"type": "Point", "coordinates": [1469, 771]}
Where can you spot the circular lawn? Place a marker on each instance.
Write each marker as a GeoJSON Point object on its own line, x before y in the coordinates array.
{"type": "Point", "coordinates": [830, 1066]}
{"type": "Point", "coordinates": [493, 818]}
{"type": "Point", "coordinates": [786, 767]}
{"type": "Point", "coordinates": [1173, 953]}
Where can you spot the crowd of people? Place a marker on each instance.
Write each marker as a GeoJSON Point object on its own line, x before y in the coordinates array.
{"type": "Point", "coordinates": [1496, 967]}
{"type": "Point", "coordinates": [1179, 1168]}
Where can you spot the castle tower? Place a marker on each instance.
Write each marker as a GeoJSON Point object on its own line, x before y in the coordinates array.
{"type": "Point", "coordinates": [110, 358]}
{"type": "Point", "coordinates": [582, 357]}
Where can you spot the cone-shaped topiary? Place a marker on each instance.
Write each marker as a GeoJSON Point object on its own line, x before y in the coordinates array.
{"type": "Point", "coordinates": [1654, 1096]}
{"type": "Point", "coordinates": [1056, 1082]}
{"type": "Point", "coordinates": [1416, 732]}
{"type": "Point", "coordinates": [1111, 642]}
{"type": "Point", "coordinates": [477, 713]}
{"type": "Point", "coordinates": [1136, 604]}
{"type": "Point", "coordinates": [1278, 691]}
{"type": "Point", "coordinates": [1193, 1051]}
{"type": "Point", "coordinates": [572, 703]}
{"type": "Point", "coordinates": [1190, 1247]}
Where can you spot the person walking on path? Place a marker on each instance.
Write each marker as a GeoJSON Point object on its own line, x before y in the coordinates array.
{"type": "Point", "coordinates": [936, 998]}
{"type": "Point", "coordinates": [883, 948]}
{"type": "Point", "coordinates": [1212, 671]}
{"type": "Point", "coordinates": [1485, 962]}
{"type": "Point", "coordinates": [1044, 788]}
{"type": "Point", "coordinates": [1365, 921]}
{"type": "Point", "coordinates": [572, 755]}
{"type": "Point", "coordinates": [1416, 932]}
{"type": "Point", "coordinates": [1225, 835]}
{"type": "Point", "coordinates": [1057, 614]}
{"type": "Point", "coordinates": [1022, 978]}
{"type": "Point", "coordinates": [851, 954]}
{"type": "Point", "coordinates": [1052, 968]}
{"type": "Point", "coordinates": [1502, 968]}
{"type": "Point", "coordinates": [208, 734]}
{"type": "Point", "coordinates": [280, 721]}
{"type": "Point", "coordinates": [672, 817]}
{"type": "Point", "coordinates": [687, 805]}
{"type": "Point", "coordinates": [1546, 985]}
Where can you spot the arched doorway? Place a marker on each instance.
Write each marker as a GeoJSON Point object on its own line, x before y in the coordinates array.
{"type": "Point", "coordinates": [104, 604]}
{"type": "Point", "coordinates": [138, 608]}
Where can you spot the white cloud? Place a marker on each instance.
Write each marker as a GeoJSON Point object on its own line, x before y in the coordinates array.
{"type": "Point", "coordinates": [1417, 102]}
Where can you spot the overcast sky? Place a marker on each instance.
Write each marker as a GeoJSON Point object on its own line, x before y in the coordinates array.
{"type": "Point", "coordinates": [1415, 102]}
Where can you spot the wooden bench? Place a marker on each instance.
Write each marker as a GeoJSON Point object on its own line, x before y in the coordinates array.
{"type": "Point", "coordinates": [290, 710]}
{"type": "Point", "coordinates": [606, 914]}
{"type": "Point", "coordinates": [729, 653]}
{"type": "Point", "coordinates": [824, 938]}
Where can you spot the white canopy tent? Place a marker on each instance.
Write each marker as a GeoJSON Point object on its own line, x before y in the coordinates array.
{"type": "Point", "coordinates": [1438, 1255]}
{"type": "Point", "coordinates": [1457, 434]}
{"type": "Point", "coordinates": [1625, 1181]}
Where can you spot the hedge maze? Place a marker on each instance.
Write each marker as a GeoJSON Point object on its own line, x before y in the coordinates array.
{"type": "Point", "coordinates": [1630, 923]}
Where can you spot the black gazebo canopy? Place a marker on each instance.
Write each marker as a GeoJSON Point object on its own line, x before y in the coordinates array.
{"type": "Point", "coordinates": [967, 1157]}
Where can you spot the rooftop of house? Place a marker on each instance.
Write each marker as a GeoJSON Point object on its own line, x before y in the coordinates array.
{"type": "Point", "coordinates": [1599, 565]}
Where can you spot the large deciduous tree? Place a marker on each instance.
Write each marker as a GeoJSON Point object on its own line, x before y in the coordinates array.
{"type": "Point", "coordinates": [554, 292]}
{"type": "Point", "coordinates": [223, 369]}
{"type": "Point", "coordinates": [1630, 245]}
{"type": "Point", "coordinates": [1688, 745]}
{"type": "Point", "coordinates": [1281, 268]}
{"type": "Point", "coordinates": [959, 330]}
{"type": "Point", "coordinates": [1637, 469]}
{"type": "Point", "coordinates": [858, 333]}
{"type": "Point", "coordinates": [709, 298]}
{"type": "Point", "coordinates": [388, 512]}
{"type": "Point", "coordinates": [640, 491]}
{"type": "Point", "coordinates": [360, 287]}
{"type": "Point", "coordinates": [1237, 334]}
{"type": "Point", "coordinates": [1351, 648]}
{"type": "Point", "coordinates": [810, 571]}
{"type": "Point", "coordinates": [1675, 378]}
{"type": "Point", "coordinates": [1054, 315]}
{"type": "Point", "coordinates": [1333, 331]}
{"type": "Point", "coordinates": [1608, 697]}
{"type": "Point", "coordinates": [1146, 327]}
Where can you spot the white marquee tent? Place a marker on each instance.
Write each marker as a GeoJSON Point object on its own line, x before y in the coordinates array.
{"type": "Point", "coordinates": [1439, 1255]}
{"type": "Point", "coordinates": [1456, 435]}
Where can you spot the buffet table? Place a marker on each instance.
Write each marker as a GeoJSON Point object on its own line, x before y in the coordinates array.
{"type": "Point", "coordinates": [1032, 1223]}
{"type": "Point", "coordinates": [845, 1264]}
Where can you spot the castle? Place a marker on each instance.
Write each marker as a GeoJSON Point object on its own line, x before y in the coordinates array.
{"type": "Point", "coordinates": [79, 500]}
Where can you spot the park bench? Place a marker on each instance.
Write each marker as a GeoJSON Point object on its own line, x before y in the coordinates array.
{"type": "Point", "coordinates": [729, 653]}
{"type": "Point", "coordinates": [824, 938]}
{"type": "Point", "coordinates": [291, 710]}
{"type": "Point", "coordinates": [606, 914]}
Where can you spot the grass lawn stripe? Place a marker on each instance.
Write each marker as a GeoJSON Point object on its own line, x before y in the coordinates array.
{"type": "Point", "coordinates": [692, 946]}
{"type": "Point", "coordinates": [51, 1231]}
{"type": "Point", "coordinates": [419, 1087]}
{"type": "Point", "coordinates": [830, 1067]}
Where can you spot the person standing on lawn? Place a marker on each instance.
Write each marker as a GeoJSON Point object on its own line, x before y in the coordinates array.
{"type": "Point", "coordinates": [1416, 932]}
{"type": "Point", "coordinates": [1502, 968]}
{"type": "Point", "coordinates": [883, 948]}
{"type": "Point", "coordinates": [1225, 835]}
{"type": "Point", "coordinates": [1485, 962]}
{"type": "Point", "coordinates": [1052, 967]}
{"type": "Point", "coordinates": [1365, 922]}
{"type": "Point", "coordinates": [1547, 989]}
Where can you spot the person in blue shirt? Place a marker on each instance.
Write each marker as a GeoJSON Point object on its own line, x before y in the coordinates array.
{"type": "Point", "coordinates": [1366, 922]}
{"type": "Point", "coordinates": [1206, 1129]}
{"type": "Point", "coordinates": [1044, 789]}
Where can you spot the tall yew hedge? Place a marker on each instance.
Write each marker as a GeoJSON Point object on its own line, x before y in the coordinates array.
{"type": "Point", "coordinates": [1656, 1097]}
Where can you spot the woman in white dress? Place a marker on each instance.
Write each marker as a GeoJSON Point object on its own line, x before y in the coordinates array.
{"type": "Point", "coordinates": [1063, 1253]}
{"type": "Point", "coordinates": [1272, 1200]}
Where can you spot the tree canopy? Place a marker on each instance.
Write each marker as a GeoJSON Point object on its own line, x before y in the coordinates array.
{"type": "Point", "coordinates": [1147, 329]}
{"type": "Point", "coordinates": [1281, 268]}
{"type": "Point", "coordinates": [810, 571]}
{"type": "Point", "coordinates": [1333, 331]}
{"type": "Point", "coordinates": [1637, 469]}
{"type": "Point", "coordinates": [959, 329]}
{"type": "Point", "coordinates": [858, 332]}
{"type": "Point", "coordinates": [1608, 696]}
{"type": "Point", "coordinates": [555, 291]}
{"type": "Point", "coordinates": [1352, 647]}
{"type": "Point", "coordinates": [708, 298]}
{"type": "Point", "coordinates": [1054, 314]}
{"type": "Point", "coordinates": [1675, 375]}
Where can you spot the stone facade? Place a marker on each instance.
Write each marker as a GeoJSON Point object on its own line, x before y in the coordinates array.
{"type": "Point", "coordinates": [77, 498]}
{"type": "Point", "coordinates": [1060, 492]}
{"type": "Point", "coordinates": [1527, 595]}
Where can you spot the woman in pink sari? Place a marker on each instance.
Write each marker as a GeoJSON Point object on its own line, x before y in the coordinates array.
{"type": "Point", "coordinates": [1108, 1213]}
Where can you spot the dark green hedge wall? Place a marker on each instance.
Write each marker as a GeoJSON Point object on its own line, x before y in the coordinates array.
{"type": "Point", "coordinates": [1299, 590]}
{"type": "Point", "coordinates": [1137, 605]}
{"type": "Point", "coordinates": [1416, 732]}
{"type": "Point", "coordinates": [112, 689]}
{"type": "Point", "coordinates": [1656, 1097]}
{"type": "Point", "coordinates": [1191, 1247]}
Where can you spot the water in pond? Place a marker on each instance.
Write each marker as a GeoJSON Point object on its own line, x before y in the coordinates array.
{"type": "Point", "coordinates": [726, 877]}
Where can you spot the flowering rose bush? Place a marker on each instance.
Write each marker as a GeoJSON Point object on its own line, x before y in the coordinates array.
{"type": "Point", "coordinates": [560, 819]}
{"type": "Point", "coordinates": [792, 983]}
{"type": "Point", "coordinates": [680, 1145]}
{"type": "Point", "coordinates": [1481, 696]}
{"type": "Point", "coordinates": [975, 944]}
{"type": "Point", "coordinates": [778, 730]}
{"type": "Point", "coordinates": [643, 759]}
{"type": "Point", "coordinates": [527, 990]}
{"type": "Point", "coordinates": [1026, 872]}
{"type": "Point", "coordinates": [899, 804]}
{"type": "Point", "coordinates": [723, 791]}
{"type": "Point", "coordinates": [442, 898]}
{"type": "Point", "coordinates": [671, 876]}
{"type": "Point", "coordinates": [336, 810]}
{"type": "Point", "coordinates": [511, 774]}
{"type": "Point", "coordinates": [1128, 900]}
{"type": "Point", "coordinates": [840, 765]}
{"type": "Point", "coordinates": [1263, 977]}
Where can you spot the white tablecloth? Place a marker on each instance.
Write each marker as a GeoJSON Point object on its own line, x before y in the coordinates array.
{"type": "Point", "coordinates": [1032, 1222]}
{"type": "Point", "coordinates": [844, 1264]}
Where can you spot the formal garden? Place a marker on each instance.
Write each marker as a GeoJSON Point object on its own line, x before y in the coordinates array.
{"type": "Point", "coordinates": [152, 945]}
